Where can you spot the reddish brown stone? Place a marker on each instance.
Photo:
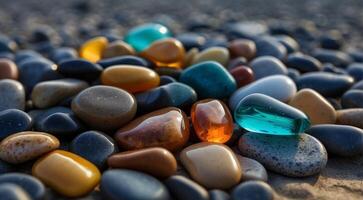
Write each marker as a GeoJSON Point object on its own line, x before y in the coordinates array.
{"type": "Point", "coordinates": [242, 47]}
{"type": "Point", "coordinates": [243, 75]}
{"type": "Point", "coordinates": [8, 69]}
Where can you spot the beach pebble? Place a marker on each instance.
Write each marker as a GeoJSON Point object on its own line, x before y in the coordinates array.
{"type": "Point", "coordinates": [218, 195]}
{"type": "Point", "coordinates": [10, 191]}
{"type": "Point", "coordinates": [356, 71]}
{"type": "Point", "coordinates": [303, 63]}
{"type": "Point", "coordinates": [253, 190]}
{"type": "Point", "coordinates": [14, 121]}
{"type": "Point", "coordinates": [242, 75]}
{"type": "Point", "coordinates": [62, 54]}
{"type": "Point", "coordinates": [59, 124]}
{"type": "Point", "coordinates": [183, 188]}
{"type": "Point", "coordinates": [242, 47]}
{"type": "Point", "coordinates": [352, 117]}
{"type": "Point", "coordinates": [8, 69]}
{"type": "Point", "coordinates": [124, 60]}
{"type": "Point", "coordinates": [264, 66]}
{"type": "Point", "coordinates": [117, 48]}
{"type": "Point", "coordinates": [80, 69]}
{"type": "Point", "coordinates": [216, 54]}
{"type": "Point", "coordinates": [12, 95]}
{"type": "Point", "coordinates": [252, 169]}
{"type": "Point", "coordinates": [93, 48]}
{"type": "Point", "coordinates": [352, 99]}
{"type": "Point", "coordinates": [267, 46]}
{"type": "Point", "coordinates": [335, 57]}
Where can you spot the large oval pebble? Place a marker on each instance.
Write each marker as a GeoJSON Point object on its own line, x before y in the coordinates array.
{"type": "Point", "coordinates": [267, 66]}
{"type": "Point", "coordinates": [14, 121]}
{"type": "Point", "coordinates": [80, 69]}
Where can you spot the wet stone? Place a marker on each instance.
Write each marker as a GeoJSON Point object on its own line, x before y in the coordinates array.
{"type": "Point", "coordinates": [216, 54]}
{"type": "Point", "coordinates": [93, 49]}
{"type": "Point", "coordinates": [218, 195]}
{"type": "Point", "coordinates": [14, 121]}
{"type": "Point", "coordinates": [270, 47]}
{"type": "Point", "coordinates": [62, 54]}
{"type": "Point", "coordinates": [242, 47]}
{"type": "Point", "coordinates": [335, 57]}
{"type": "Point", "coordinates": [356, 71]}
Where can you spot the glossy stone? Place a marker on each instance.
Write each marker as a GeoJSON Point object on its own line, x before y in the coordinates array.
{"type": "Point", "coordinates": [327, 84]}
{"type": "Point", "coordinates": [104, 107]}
{"type": "Point", "coordinates": [212, 121]}
{"type": "Point", "coordinates": [8, 69]}
{"type": "Point", "coordinates": [130, 78]}
{"type": "Point", "coordinates": [93, 49]}
{"type": "Point", "coordinates": [6, 44]}
{"type": "Point", "coordinates": [12, 95]}
{"type": "Point", "coordinates": [340, 140]}
{"type": "Point", "coordinates": [117, 48]}
{"type": "Point", "coordinates": [352, 99]}
{"type": "Point", "coordinates": [166, 80]}
{"type": "Point", "coordinates": [328, 67]}
{"type": "Point", "coordinates": [191, 40]}
{"type": "Point", "coordinates": [200, 161]}
{"type": "Point", "coordinates": [293, 73]}
{"type": "Point", "coordinates": [113, 186]}
{"type": "Point", "coordinates": [242, 47]}
{"type": "Point", "coordinates": [267, 66]}
{"type": "Point", "coordinates": [50, 93]}
{"type": "Point", "coordinates": [358, 85]}
{"type": "Point", "coordinates": [182, 188]}
{"type": "Point", "coordinates": [356, 71]}
{"type": "Point", "coordinates": [39, 115]}
{"type": "Point", "coordinates": [59, 124]}
{"type": "Point", "coordinates": [141, 37]}
{"type": "Point", "coordinates": [352, 117]}
{"type": "Point", "coordinates": [174, 94]}
{"type": "Point", "coordinates": [303, 63]}
{"type": "Point", "coordinates": [10, 191]}
{"type": "Point", "coordinates": [253, 190]}
{"type": "Point", "coordinates": [167, 128]}
{"type": "Point", "coordinates": [246, 29]}
{"type": "Point", "coordinates": [252, 169]}
{"type": "Point", "coordinates": [13, 121]}
{"type": "Point", "coordinates": [124, 60]}
{"type": "Point", "coordinates": [216, 54]}
{"type": "Point", "coordinates": [62, 54]}
{"type": "Point", "coordinates": [165, 53]}
{"type": "Point", "coordinates": [315, 106]}
{"type": "Point", "coordinates": [80, 69]}
{"type": "Point", "coordinates": [222, 84]}
{"type": "Point", "coordinates": [270, 47]}
{"type": "Point", "coordinates": [31, 185]}
{"type": "Point", "coordinates": [75, 178]}
{"type": "Point", "coordinates": [243, 75]}
{"type": "Point", "coordinates": [156, 161]}
{"type": "Point", "coordinates": [263, 114]}
{"type": "Point", "coordinates": [289, 43]}
{"type": "Point", "coordinates": [218, 195]}
{"type": "Point", "coordinates": [267, 86]}
{"type": "Point", "coordinates": [335, 57]}
{"type": "Point", "coordinates": [332, 40]}
{"type": "Point", "coordinates": [296, 156]}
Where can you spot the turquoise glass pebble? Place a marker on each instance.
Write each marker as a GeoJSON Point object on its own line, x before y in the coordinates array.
{"type": "Point", "coordinates": [263, 114]}
{"type": "Point", "coordinates": [141, 37]}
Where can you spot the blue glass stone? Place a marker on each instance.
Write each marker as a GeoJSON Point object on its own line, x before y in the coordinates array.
{"type": "Point", "coordinates": [263, 114]}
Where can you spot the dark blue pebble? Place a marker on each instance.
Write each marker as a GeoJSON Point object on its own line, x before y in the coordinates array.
{"type": "Point", "coordinates": [80, 69]}
{"type": "Point", "coordinates": [173, 72]}
{"type": "Point", "coordinates": [253, 190]}
{"type": "Point", "coordinates": [289, 43]}
{"type": "Point", "coordinates": [9, 191]}
{"type": "Point", "coordinates": [358, 85]}
{"type": "Point", "coordinates": [293, 73]}
{"type": "Point", "coordinates": [94, 146]}
{"type": "Point", "coordinates": [45, 48]}
{"type": "Point", "coordinates": [270, 47]}
{"type": "Point", "coordinates": [327, 84]}
{"type": "Point", "coordinates": [352, 99]}
{"type": "Point", "coordinates": [132, 185]}
{"type": "Point", "coordinates": [29, 184]}
{"type": "Point", "coordinates": [218, 195]}
{"type": "Point", "coordinates": [236, 62]}
{"type": "Point", "coordinates": [191, 40]}
{"type": "Point", "coordinates": [13, 121]}
{"type": "Point", "coordinates": [264, 66]}
{"type": "Point", "coordinates": [335, 103]}
{"type": "Point", "coordinates": [182, 188]}
{"type": "Point", "coordinates": [39, 115]}
{"type": "Point", "coordinates": [337, 58]}
{"type": "Point", "coordinates": [7, 55]}
{"type": "Point", "coordinates": [43, 34]}
{"type": "Point", "coordinates": [328, 67]}
{"type": "Point", "coordinates": [356, 71]}
{"type": "Point", "coordinates": [331, 41]}
{"type": "Point", "coordinates": [6, 44]}
{"type": "Point", "coordinates": [356, 55]}
{"type": "Point", "coordinates": [23, 55]}
{"type": "Point", "coordinates": [62, 54]}
{"type": "Point", "coordinates": [340, 140]}
{"type": "Point", "coordinates": [124, 60]}
{"type": "Point", "coordinates": [303, 63]}
{"type": "Point", "coordinates": [166, 80]}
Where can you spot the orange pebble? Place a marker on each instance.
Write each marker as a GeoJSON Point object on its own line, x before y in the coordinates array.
{"type": "Point", "coordinates": [93, 49]}
{"type": "Point", "coordinates": [212, 121]}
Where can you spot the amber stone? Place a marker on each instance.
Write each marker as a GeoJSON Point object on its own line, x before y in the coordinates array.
{"type": "Point", "coordinates": [131, 78]}
{"type": "Point", "coordinates": [212, 121]}
{"type": "Point", "coordinates": [242, 47]}
{"type": "Point", "coordinates": [243, 75]}
{"type": "Point", "coordinates": [118, 48]}
{"type": "Point", "coordinates": [8, 69]}
{"type": "Point", "coordinates": [68, 174]}
{"type": "Point", "coordinates": [93, 49]}
{"type": "Point", "coordinates": [155, 161]}
{"type": "Point", "coordinates": [166, 53]}
{"type": "Point", "coordinates": [167, 128]}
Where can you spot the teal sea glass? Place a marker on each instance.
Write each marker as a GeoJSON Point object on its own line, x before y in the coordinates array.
{"type": "Point", "coordinates": [141, 37]}
{"type": "Point", "coordinates": [263, 114]}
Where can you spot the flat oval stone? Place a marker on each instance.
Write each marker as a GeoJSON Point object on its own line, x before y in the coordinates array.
{"type": "Point", "coordinates": [222, 84]}
{"type": "Point", "coordinates": [24, 146]}
{"type": "Point", "coordinates": [296, 156]}
{"type": "Point", "coordinates": [216, 54]}
{"type": "Point", "coordinates": [156, 161]}
{"type": "Point", "coordinates": [12, 95]}
{"type": "Point", "coordinates": [165, 53]}
{"type": "Point", "coordinates": [352, 117]}
{"type": "Point", "coordinates": [171, 95]}
{"type": "Point", "coordinates": [50, 93]}
{"type": "Point", "coordinates": [327, 84]}
{"type": "Point", "coordinates": [141, 37]}
{"type": "Point", "coordinates": [315, 106]}
{"type": "Point", "coordinates": [270, 47]}
{"type": "Point", "coordinates": [130, 78]}
{"type": "Point", "coordinates": [113, 186]}
{"type": "Point", "coordinates": [352, 99]}
{"type": "Point", "coordinates": [167, 128]}
{"type": "Point", "coordinates": [104, 107]}
{"type": "Point", "coordinates": [80, 69]}
{"type": "Point", "coordinates": [124, 60]}
{"type": "Point", "coordinates": [340, 140]}
{"type": "Point", "coordinates": [94, 146]}
{"type": "Point", "coordinates": [93, 49]}
{"type": "Point", "coordinates": [289, 43]}
{"type": "Point", "coordinates": [31, 185]}
{"type": "Point", "coordinates": [335, 57]}
{"type": "Point", "coordinates": [263, 114]}
{"type": "Point", "coordinates": [267, 66]}
{"type": "Point", "coordinates": [252, 169]}
{"type": "Point", "coordinates": [243, 75]}
{"type": "Point", "coordinates": [218, 195]}
{"type": "Point", "coordinates": [303, 63]}
{"type": "Point", "coordinates": [253, 190]}
{"type": "Point", "coordinates": [117, 48]}
{"type": "Point", "coordinates": [62, 54]}
{"type": "Point", "coordinates": [75, 178]}
{"type": "Point", "coordinates": [212, 121]}
{"type": "Point", "coordinates": [183, 188]}
{"type": "Point", "coordinates": [242, 47]}
{"type": "Point", "coordinates": [355, 70]}
{"type": "Point", "coordinates": [267, 86]}
{"type": "Point", "coordinates": [8, 69]}
{"type": "Point", "coordinates": [59, 124]}
{"type": "Point", "coordinates": [14, 121]}
{"type": "Point", "coordinates": [9, 191]}
{"type": "Point", "coordinates": [200, 161]}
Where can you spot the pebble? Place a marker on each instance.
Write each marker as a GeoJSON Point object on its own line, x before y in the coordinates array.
{"type": "Point", "coordinates": [39, 115]}
{"type": "Point", "coordinates": [9, 191]}
{"type": "Point", "coordinates": [352, 99]}
{"type": "Point", "coordinates": [80, 69]}
{"type": "Point", "coordinates": [14, 121]}
{"type": "Point", "coordinates": [94, 146]}
{"type": "Point", "coordinates": [264, 66]}
{"type": "Point", "coordinates": [7, 45]}
{"type": "Point", "coordinates": [340, 140]}
{"type": "Point", "coordinates": [12, 95]}
{"type": "Point", "coordinates": [335, 57]}
{"type": "Point", "coordinates": [124, 60]}
{"type": "Point", "coordinates": [252, 169]}
{"type": "Point", "coordinates": [303, 63]}
{"type": "Point", "coordinates": [104, 107]}
{"type": "Point", "coordinates": [242, 47]}
{"type": "Point", "coordinates": [169, 71]}
{"type": "Point", "coordinates": [253, 190]}
{"type": "Point", "coordinates": [298, 156]}
{"type": "Point", "coordinates": [60, 124]}
{"type": "Point", "coordinates": [156, 161]}
{"type": "Point", "coordinates": [76, 177]}
{"type": "Point", "coordinates": [130, 78]}
{"type": "Point", "coordinates": [216, 54]}
{"type": "Point", "coordinates": [62, 54]}
{"type": "Point", "coordinates": [117, 48]}
{"type": "Point", "coordinates": [50, 93]}
{"type": "Point", "coordinates": [212, 121]}
{"type": "Point", "coordinates": [289, 43]}
{"type": "Point", "coordinates": [191, 40]}
{"type": "Point", "coordinates": [221, 86]}
{"type": "Point", "coordinates": [267, 85]}
{"type": "Point", "coordinates": [242, 75]}
{"type": "Point", "coordinates": [189, 56]}
{"type": "Point", "coordinates": [328, 67]}
{"type": "Point", "coordinates": [8, 69]}
{"type": "Point", "coordinates": [212, 165]}
{"type": "Point", "coordinates": [182, 188]}
{"type": "Point", "coordinates": [270, 47]}
{"type": "Point", "coordinates": [293, 74]}
{"type": "Point", "coordinates": [93, 49]}
{"type": "Point", "coordinates": [167, 128]}
{"type": "Point", "coordinates": [356, 71]}
{"type": "Point", "coordinates": [325, 83]}
{"type": "Point", "coordinates": [352, 117]}
{"type": "Point", "coordinates": [24, 146]}
{"type": "Point", "coordinates": [166, 80]}
{"type": "Point", "coordinates": [358, 85]}
{"type": "Point", "coordinates": [31, 185]}
{"type": "Point", "coordinates": [218, 195]}
{"type": "Point", "coordinates": [236, 62]}
{"type": "Point", "coordinates": [113, 186]}
{"type": "Point", "coordinates": [315, 106]}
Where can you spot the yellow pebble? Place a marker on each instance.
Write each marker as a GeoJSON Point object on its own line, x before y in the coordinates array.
{"type": "Point", "coordinates": [218, 54]}
{"type": "Point", "coordinates": [93, 49]}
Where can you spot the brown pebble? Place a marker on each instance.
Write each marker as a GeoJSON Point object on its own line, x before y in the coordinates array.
{"type": "Point", "coordinates": [352, 117]}
{"type": "Point", "coordinates": [8, 69]}
{"type": "Point", "coordinates": [118, 48]}
{"type": "Point", "coordinates": [242, 47]}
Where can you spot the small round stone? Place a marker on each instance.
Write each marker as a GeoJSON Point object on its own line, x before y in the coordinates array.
{"type": "Point", "coordinates": [117, 48]}
{"type": "Point", "coordinates": [252, 169]}
{"type": "Point", "coordinates": [253, 190]}
{"type": "Point", "coordinates": [217, 54]}
{"type": "Point", "coordinates": [352, 117]}
{"type": "Point", "coordinates": [8, 69]}
{"type": "Point", "coordinates": [356, 71]}
{"type": "Point", "coordinates": [242, 47]}
{"type": "Point", "coordinates": [10, 191]}
{"type": "Point", "coordinates": [182, 188]}
{"type": "Point", "coordinates": [352, 99]}
{"type": "Point", "coordinates": [243, 75]}
{"type": "Point", "coordinates": [13, 121]}
{"type": "Point", "coordinates": [266, 66]}
{"type": "Point", "coordinates": [12, 95]}
{"type": "Point", "coordinates": [270, 47]}
{"type": "Point", "coordinates": [92, 49]}
{"type": "Point", "coordinates": [62, 54]}
{"type": "Point", "coordinates": [80, 69]}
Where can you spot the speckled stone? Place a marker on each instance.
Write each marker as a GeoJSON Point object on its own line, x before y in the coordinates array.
{"type": "Point", "coordinates": [267, 66]}
{"type": "Point", "coordinates": [13, 121]}
{"type": "Point", "coordinates": [12, 95]}
{"type": "Point", "coordinates": [253, 190]}
{"type": "Point", "coordinates": [182, 188]}
{"type": "Point", "coordinates": [351, 117]}
{"type": "Point", "coordinates": [252, 169]}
